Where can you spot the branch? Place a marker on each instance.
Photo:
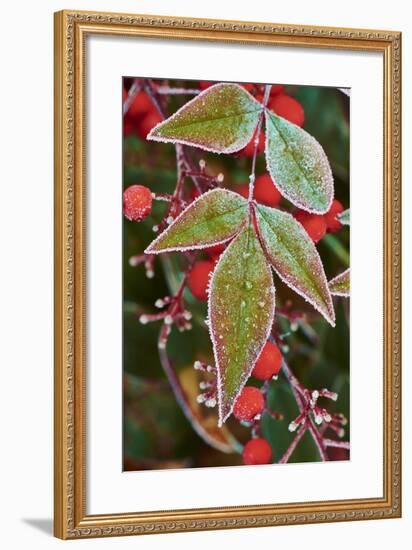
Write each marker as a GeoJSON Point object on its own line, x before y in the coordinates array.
{"type": "Point", "coordinates": [293, 445]}
{"type": "Point", "coordinates": [166, 90]}
{"type": "Point", "coordinates": [299, 392]}
{"type": "Point", "coordinates": [257, 138]}
{"type": "Point", "coordinates": [133, 91]}
{"type": "Point", "coordinates": [338, 444]}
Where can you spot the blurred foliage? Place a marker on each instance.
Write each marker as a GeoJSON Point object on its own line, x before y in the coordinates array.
{"type": "Point", "coordinates": [156, 432]}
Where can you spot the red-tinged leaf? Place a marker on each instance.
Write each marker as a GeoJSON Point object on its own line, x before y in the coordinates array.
{"type": "Point", "coordinates": [340, 285]}
{"type": "Point", "coordinates": [294, 258]}
{"type": "Point", "coordinates": [213, 218]}
{"type": "Point", "coordinates": [222, 119]}
{"type": "Point", "coordinates": [298, 165]}
{"type": "Point", "coordinates": [241, 310]}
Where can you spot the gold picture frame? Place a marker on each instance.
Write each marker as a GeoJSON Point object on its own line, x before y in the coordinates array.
{"type": "Point", "coordinates": [71, 520]}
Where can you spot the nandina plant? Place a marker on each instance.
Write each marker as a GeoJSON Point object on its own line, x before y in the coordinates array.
{"type": "Point", "coordinates": [256, 236]}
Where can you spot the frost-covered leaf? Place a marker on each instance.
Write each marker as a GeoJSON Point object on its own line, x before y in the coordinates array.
{"type": "Point", "coordinates": [298, 165]}
{"type": "Point", "coordinates": [294, 258]}
{"type": "Point", "coordinates": [241, 310]}
{"type": "Point", "coordinates": [215, 217]}
{"type": "Point", "coordinates": [221, 119]}
{"type": "Point", "coordinates": [340, 285]}
{"type": "Point", "coordinates": [344, 217]}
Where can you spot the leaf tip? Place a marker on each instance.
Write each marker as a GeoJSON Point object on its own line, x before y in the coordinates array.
{"type": "Point", "coordinates": [152, 135]}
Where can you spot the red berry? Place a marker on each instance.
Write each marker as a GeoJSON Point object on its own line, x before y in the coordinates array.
{"type": "Point", "coordinates": [332, 223]}
{"type": "Point", "coordinates": [140, 105]}
{"type": "Point", "coordinates": [216, 249]}
{"type": "Point", "coordinates": [205, 84]}
{"type": "Point", "coordinates": [276, 89]}
{"type": "Point", "coordinates": [127, 126]}
{"type": "Point", "coordinates": [137, 202]}
{"type": "Point", "coordinates": [314, 224]}
{"type": "Point", "coordinates": [249, 403]}
{"type": "Point", "coordinates": [250, 147]}
{"type": "Point", "coordinates": [287, 107]}
{"type": "Point", "coordinates": [269, 362]}
{"type": "Point", "coordinates": [194, 193]}
{"type": "Point", "coordinates": [265, 191]}
{"type": "Point", "coordinates": [257, 451]}
{"type": "Point", "coordinates": [148, 122]}
{"type": "Point", "coordinates": [248, 87]}
{"type": "Point", "coordinates": [336, 453]}
{"type": "Point", "coordinates": [198, 280]}
{"type": "Point", "coordinates": [242, 189]}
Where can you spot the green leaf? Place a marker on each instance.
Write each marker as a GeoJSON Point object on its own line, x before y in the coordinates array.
{"type": "Point", "coordinates": [241, 310]}
{"type": "Point", "coordinates": [298, 165]}
{"type": "Point", "coordinates": [340, 285]}
{"type": "Point", "coordinates": [294, 258]}
{"type": "Point", "coordinates": [221, 119]}
{"type": "Point", "coordinates": [213, 218]}
{"type": "Point", "coordinates": [344, 217]}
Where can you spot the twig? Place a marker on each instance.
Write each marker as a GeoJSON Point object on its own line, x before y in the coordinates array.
{"type": "Point", "coordinates": [293, 445]}
{"type": "Point", "coordinates": [180, 394]}
{"type": "Point", "coordinates": [338, 444]}
{"type": "Point", "coordinates": [298, 392]}
{"type": "Point", "coordinates": [317, 438]}
{"type": "Point", "coordinates": [166, 90]}
{"type": "Point", "coordinates": [133, 91]}
{"type": "Point", "coordinates": [257, 139]}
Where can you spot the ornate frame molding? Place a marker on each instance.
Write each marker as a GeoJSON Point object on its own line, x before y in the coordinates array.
{"type": "Point", "coordinates": [71, 520]}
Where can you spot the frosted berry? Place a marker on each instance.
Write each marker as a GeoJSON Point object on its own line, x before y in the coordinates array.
{"type": "Point", "coordinates": [265, 191]}
{"type": "Point", "coordinates": [148, 122]}
{"type": "Point", "coordinates": [249, 403]}
{"type": "Point", "coordinates": [198, 280]}
{"type": "Point", "coordinates": [332, 223]}
{"type": "Point", "coordinates": [269, 362]}
{"type": "Point", "coordinates": [287, 107]}
{"type": "Point", "coordinates": [137, 202]}
{"type": "Point", "coordinates": [257, 451]}
{"type": "Point", "coordinates": [314, 224]}
{"type": "Point", "coordinates": [249, 150]}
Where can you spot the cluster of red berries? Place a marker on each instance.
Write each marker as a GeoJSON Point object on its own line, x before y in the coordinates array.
{"type": "Point", "coordinates": [250, 403]}
{"type": "Point", "coordinates": [316, 225]}
{"type": "Point", "coordinates": [141, 116]}
{"type": "Point", "coordinates": [137, 202]}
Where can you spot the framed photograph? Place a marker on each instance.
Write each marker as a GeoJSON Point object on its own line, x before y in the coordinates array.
{"type": "Point", "coordinates": [227, 274]}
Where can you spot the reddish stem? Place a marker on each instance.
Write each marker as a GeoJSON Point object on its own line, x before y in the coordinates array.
{"type": "Point", "coordinates": [293, 445]}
